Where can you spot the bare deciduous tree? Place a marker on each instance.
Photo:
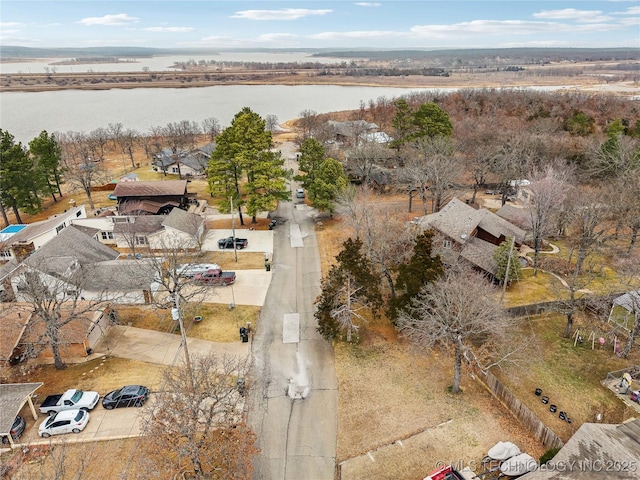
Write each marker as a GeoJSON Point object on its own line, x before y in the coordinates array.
{"type": "Point", "coordinates": [549, 188]}
{"type": "Point", "coordinates": [212, 127]}
{"type": "Point", "coordinates": [81, 168]}
{"type": "Point", "coordinates": [54, 296]}
{"type": "Point", "coordinates": [196, 427]}
{"type": "Point", "coordinates": [431, 171]}
{"type": "Point", "coordinates": [458, 311]}
{"type": "Point", "coordinates": [383, 233]}
{"type": "Point", "coordinates": [363, 158]}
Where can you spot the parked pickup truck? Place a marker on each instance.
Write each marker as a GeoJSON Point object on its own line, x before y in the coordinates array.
{"type": "Point", "coordinates": [71, 399]}
{"type": "Point", "coordinates": [228, 243]}
{"type": "Point", "coordinates": [215, 276]}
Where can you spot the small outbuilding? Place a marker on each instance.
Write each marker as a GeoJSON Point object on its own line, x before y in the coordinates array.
{"type": "Point", "coordinates": [13, 396]}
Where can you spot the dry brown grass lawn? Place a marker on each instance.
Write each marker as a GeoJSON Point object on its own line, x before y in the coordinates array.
{"type": "Point", "coordinates": [387, 393]}
{"type": "Point", "coordinates": [102, 374]}
{"type": "Point", "coordinates": [219, 324]}
{"type": "Point", "coordinates": [569, 375]}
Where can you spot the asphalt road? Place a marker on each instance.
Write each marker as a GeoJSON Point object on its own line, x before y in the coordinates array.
{"type": "Point", "coordinates": [292, 405]}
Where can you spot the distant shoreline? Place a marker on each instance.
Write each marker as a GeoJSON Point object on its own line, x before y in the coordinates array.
{"type": "Point", "coordinates": [191, 79]}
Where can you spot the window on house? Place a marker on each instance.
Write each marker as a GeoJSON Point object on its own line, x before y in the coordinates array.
{"type": "Point", "coordinates": [446, 243]}
{"type": "Point", "coordinates": [141, 240]}
{"type": "Point", "coordinates": [107, 235]}
{"type": "Point", "coordinates": [78, 213]}
{"type": "Point", "coordinates": [5, 253]}
{"type": "Point", "coordinates": [120, 219]}
{"type": "Point", "coordinates": [60, 227]}
{"type": "Point", "coordinates": [174, 170]}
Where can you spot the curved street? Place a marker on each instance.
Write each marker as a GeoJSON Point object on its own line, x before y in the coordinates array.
{"type": "Point", "coordinates": [292, 404]}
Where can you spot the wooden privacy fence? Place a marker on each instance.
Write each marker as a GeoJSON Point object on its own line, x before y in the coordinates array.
{"type": "Point", "coordinates": [540, 431]}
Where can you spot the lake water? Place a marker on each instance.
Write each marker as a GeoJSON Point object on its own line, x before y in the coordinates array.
{"type": "Point", "coordinates": [26, 114]}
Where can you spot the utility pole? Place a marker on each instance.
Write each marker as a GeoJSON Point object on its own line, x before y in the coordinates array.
{"type": "Point", "coordinates": [178, 313]}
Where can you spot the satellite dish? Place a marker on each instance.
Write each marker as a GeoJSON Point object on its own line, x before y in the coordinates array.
{"type": "Point", "coordinates": [463, 236]}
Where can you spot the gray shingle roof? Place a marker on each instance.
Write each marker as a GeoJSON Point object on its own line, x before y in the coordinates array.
{"type": "Point", "coordinates": [119, 275]}
{"type": "Point", "coordinates": [497, 226]}
{"type": "Point", "coordinates": [142, 224]}
{"type": "Point", "coordinates": [12, 397]}
{"type": "Point", "coordinates": [457, 220]}
{"type": "Point", "coordinates": [518, 216]}
{"type": "Point", "coordinates": [183, 221]}
{"type": "Point", "coordinates": [72, 244]}
{"type": "Point", "coordinates": [480, 253]}
{"type": "Point", "coordinates": [607, 448]}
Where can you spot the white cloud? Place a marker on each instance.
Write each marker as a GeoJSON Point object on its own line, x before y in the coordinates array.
{"type": "Point", "coordinates": [282, 14]}
{"type": "Point", "coordinates": [169, 29]}
{"type": "Point", "coordinates": [503, 27]}
{"type": "Point", "coordinates": [368, 4]}
{"type": "Point", "coordinates": [277, 37]}
{"type": "Point", "coordinates": [10, 24]}
{"type": "Point", "coordinates": [110, 20]}
{"type": "Point", "coordinates": [630, 11]}
{"type": "Point", "coordinates": [573, 14]}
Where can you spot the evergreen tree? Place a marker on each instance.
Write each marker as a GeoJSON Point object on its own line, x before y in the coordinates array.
{"type": "Point", "coordinates": [46, 154]}
{"type": "Point", "coordinates": [422, 268]}
{"type": "Point", "coordinates": [431, 121]}
{"type": "Point", "coordinates": [238, 151]}
{"type": "Point", "coordinates": [501, 256]}
{"type": "Point", "coordinates": [329, 182]}
{"type": "Point", "coordinates": [312, 155]}
{"type": "Point", "coordinates": [350, 287]}
{"type": "Point", "coordinates": [268, 184]}
{"type": "Point", "coordinates": [19, 187]}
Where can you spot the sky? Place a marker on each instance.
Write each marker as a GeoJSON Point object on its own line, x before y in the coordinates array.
{"type": "Point", "coordinates": [390, 24]}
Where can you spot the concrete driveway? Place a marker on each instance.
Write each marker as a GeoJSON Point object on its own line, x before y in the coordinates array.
{"type": "Point", "coordinates": [250, 289]}
{"type": "Point", "coordinates": [158, 347]}
{"type": "Point", "coordinates": [103, 424]}
{"type": "Point", "coordinates": [259, 240]}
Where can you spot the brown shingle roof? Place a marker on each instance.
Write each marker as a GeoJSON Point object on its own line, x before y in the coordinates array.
{"type": "Point", "coordinates": [76, 331]}
{"type": "Point", "coordinates": [151, 188]}
{"type": "Point", "coordinates": [12, 324]}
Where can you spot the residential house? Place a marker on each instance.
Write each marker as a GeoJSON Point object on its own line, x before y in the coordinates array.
{"type": "Point", "coordinates": [520, 216]}
{"type": "Point", "coordinates": [463, 233]}
{"type": "Point", "coordinates": [131, 232]}
{"type": "Point", "coordinates": [182, 229]}
{"type": "Point", "coordinates": [595, 451]}
{"type": "Point", "coordinates": [351, 131]}
{"type": "Point", "coordinates": [77, 337]}
{"type": "Point", "coordinates": [152, 197]}
{"type": "Point", "coordinates": [184, 164]}
{"type": "Point", "coordinates": [130, 177]}
{"type": "Point", "coordinates": [100, 227]}
{"type": "Point", "coordinates": [75, 264]}
{"type": "Point", "coordinates": [33, 236]}
{"type": "Point", "coordinates": [13, 323]}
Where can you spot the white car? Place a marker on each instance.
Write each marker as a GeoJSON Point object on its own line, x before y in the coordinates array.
{"type": "Point", "coordinates": [300, 193]}
{"type": "Point", "coordinates": [191, 270]}
{"type": "Point", "coordinates": [67, 421]}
